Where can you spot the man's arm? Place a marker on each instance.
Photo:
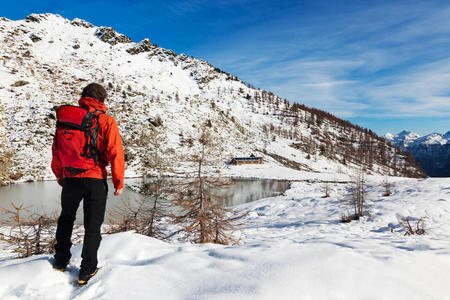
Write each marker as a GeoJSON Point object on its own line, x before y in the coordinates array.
{"type": "Point", "coordinates": [114, 154]}
{"type": "Point", "coordinates": [56, 163]}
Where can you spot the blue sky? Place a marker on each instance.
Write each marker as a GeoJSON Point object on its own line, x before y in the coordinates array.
{"type": "Point", "coordinates": [384, 65]}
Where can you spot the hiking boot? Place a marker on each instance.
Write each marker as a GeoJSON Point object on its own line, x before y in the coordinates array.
{"type": "Point", "coordinates": [84, 278]}
{"type": "Point", "coordinates": [58, 266]}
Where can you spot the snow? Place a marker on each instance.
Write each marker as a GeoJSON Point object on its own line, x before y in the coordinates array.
{"type": "Point", "coordinates": [407, 139]}
{"type": "Point", "coordinates": [431, 139]}
{"type": "Point", "coordinates": [389, 136]}
{"type": "Point", "coordinates": [292, 247]}
{"type": "Point", "coordinates": [402, 139]}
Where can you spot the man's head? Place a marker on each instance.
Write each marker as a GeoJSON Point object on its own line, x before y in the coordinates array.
{"type": "Point", "coordinates": [94, 90]}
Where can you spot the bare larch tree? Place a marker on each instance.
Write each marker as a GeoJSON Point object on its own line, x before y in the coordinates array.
{"type": "Point", "coordinates": [202, 218]}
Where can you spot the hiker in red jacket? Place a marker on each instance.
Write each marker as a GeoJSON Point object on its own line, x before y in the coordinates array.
{"type": "Point", "coordinates": [99, 146]}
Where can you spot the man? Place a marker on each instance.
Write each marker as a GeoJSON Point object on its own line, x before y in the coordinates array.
{"type": "Point", "coordinates": [87, 184]}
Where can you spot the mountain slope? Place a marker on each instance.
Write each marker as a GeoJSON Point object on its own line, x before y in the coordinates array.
{"type": "Point", "coordinates": [46, 60]}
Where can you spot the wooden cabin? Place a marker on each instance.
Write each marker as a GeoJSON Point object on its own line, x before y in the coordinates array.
{"type": "Point", "coordinates": [246, 160]}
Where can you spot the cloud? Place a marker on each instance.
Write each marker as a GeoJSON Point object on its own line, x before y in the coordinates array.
{"type": "Point", "coordinates": [385, 60]}
{"type": "Point", "coordinates": [424, 91]}
{"type": "Point", "coordinates": [329, 84]}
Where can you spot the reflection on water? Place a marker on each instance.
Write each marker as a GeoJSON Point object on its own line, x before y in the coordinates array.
{"type": "Point", "coordinates": [245, 190]}
{"type": "Point", "coordinates": [44, 197]}
{"type": "Point", "coordinates": [240, 190]}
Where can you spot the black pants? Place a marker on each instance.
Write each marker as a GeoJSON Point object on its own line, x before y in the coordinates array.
{"type": "Point", "coordinates": [93, 192]}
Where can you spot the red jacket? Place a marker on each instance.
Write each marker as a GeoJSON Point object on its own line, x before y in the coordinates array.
{"type": "Point", "coordinates": [110, 145]}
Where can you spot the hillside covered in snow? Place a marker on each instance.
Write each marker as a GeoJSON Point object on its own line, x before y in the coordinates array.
{"type": "Point", "coordinates": [431, 151]}
{"type": "Point", "coordinates": [46, 60]}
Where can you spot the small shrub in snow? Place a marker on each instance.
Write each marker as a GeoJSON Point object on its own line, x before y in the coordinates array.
{"type": "Point", "coordinates": [348, 217]}
{"type": "Point", "coordinates": [326, 189]}
{"type": "Point", "coordinates": [357, 197]}
{"type": "Point", "coordinates": [412, 227]}
{"type": "Point", "coordinates": [387, 185]}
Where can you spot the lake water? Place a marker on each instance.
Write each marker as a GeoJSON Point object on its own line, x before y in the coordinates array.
{"type": "Point", "coordinates": [44, 197]}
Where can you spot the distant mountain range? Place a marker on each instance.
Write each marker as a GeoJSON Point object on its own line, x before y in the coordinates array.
{"type": "Point", "coordinates": [431, 151]}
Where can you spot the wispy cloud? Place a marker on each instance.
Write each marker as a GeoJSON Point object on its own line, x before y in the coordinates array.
{"type": "Point", "coordinates": [424, 91]}
{"type": "Point", "coordinates": [385, 60]}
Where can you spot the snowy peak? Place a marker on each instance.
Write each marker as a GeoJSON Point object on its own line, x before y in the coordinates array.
{"type": "Point", "coordinates": [432, 139]}
{"type": "Point", "coordinates": [38, 18]}
{"type": "Point", "coordinates": [389, 136]}
{"type": "Point", "coordinates": [402, 139]}
{"type": "Point", "coordinates": [81, 23]}
{"type": "Point", "coordinates": [406, 139]}
{"type": "Point", "coordinates": [431, 151]}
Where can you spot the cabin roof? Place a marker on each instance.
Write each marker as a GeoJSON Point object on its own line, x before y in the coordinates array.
{"type": "Point", "coordinates": [246, 158]}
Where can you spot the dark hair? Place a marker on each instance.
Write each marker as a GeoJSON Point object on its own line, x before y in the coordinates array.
{"type": "Point", "coordinates": [94, 90]}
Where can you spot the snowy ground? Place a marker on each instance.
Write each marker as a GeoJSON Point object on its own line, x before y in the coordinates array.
{"type": "Point", "coordinates": [292, 247]}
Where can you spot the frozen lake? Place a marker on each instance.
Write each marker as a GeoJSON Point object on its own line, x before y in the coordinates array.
{"type": "Point", "coordinates": [44, 197]}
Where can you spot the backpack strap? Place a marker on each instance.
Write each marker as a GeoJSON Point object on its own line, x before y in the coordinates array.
{"type": "Point", "coordinates": [91, 148]}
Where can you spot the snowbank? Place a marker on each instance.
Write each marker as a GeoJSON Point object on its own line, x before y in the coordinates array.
{"type": "Point", "coordinates": [293, 247]}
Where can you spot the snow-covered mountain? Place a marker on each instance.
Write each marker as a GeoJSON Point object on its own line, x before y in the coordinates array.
{"type": "Point", "coordinates": [432, 151]}
{"type": "Point", "coordinates": [46, 60]}
{"type": "Point", "coordinates": [432, 139]}
{"type": "Point", "coordinates": [402, 139]}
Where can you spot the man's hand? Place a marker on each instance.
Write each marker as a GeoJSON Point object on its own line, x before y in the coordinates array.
{"type": "Point", "coordinates": [118, 192]}
{"type": "Point", "coordinates": [60, 181]}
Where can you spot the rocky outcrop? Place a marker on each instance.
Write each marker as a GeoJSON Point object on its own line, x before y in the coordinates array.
{"type": "Point", "coordinates": [142, 46]}
{"type": "Point", "coordinates": [81, 23]}
{"type": "Point", "coordinates": [110, 36]}
{"type": "Point", "coordinates": [33, 18]}
{"type": "Point", "coordinates": [35, 38]}
{"type": "Point", "coordinates": [37, 18]}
